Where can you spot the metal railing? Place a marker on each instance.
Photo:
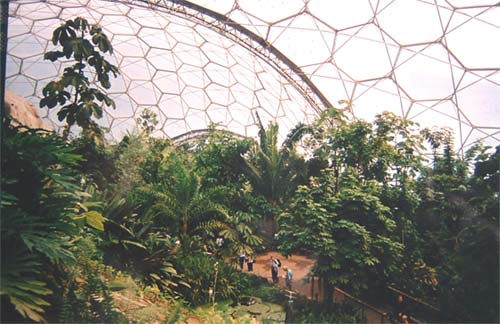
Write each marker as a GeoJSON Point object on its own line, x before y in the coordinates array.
{"type": "Point", "coordinates": [369, 312]}
{"type": "Point", "coordinates": [420, 310]}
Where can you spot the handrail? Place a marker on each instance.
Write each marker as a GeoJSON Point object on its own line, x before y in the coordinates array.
{"type": "Point", "coordinates": [359, 301]}
{"type": "Point", "coordinates": [413, 298]}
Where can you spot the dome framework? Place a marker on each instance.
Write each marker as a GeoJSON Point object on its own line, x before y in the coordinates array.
{"type": "Point", "coordinates": [199, 62]}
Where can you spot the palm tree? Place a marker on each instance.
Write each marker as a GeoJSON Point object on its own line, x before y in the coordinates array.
{"type": "Point", "coordinates": [178, 203]}
{"type": "Point", "coordinates": [275, 172]}
{"type": "Point", "coordinates": [236, 232]}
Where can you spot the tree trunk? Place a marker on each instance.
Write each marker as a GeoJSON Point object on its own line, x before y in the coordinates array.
{"type": "Point", "coordinates": [328, 290]}
{"type": "Point", "coordinates": [185, 223]}
{"type": "Point", "coordinates": [267, 229]}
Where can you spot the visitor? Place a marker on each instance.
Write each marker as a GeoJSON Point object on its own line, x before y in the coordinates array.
{"type": "Point", "coordinates": [250, 262]}
{"type": "Point", "coordinates": [288, 278]}
{"type": "Point", "coordinates": [401, 310]}
{"type": "Point", "coordinates": [274, 269]}
{"type": "Point", "coordinates": [241, 260]}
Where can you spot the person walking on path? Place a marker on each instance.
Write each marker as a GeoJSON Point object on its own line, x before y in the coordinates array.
{"type": "Point", "coordinates": [241, 260]}
{"type": "Point", "coordinates": [250, 262]}
{"type": "Point", "coordinates": [288, 278]}
{"type": "Point", "coordinates": [274, 269]}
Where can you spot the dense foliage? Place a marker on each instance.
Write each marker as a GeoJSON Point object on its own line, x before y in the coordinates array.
{"type": "Point", "coordinates": [44, 212]}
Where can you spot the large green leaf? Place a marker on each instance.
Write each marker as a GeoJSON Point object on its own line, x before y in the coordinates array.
{"type": "Point", "coordinates": [95, 219]}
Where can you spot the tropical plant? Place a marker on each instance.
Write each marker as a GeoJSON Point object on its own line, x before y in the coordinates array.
{"type": "Point", "coordinates": [345, 216]}
{"type": "Point", "coordinates": [82, 104]}
{"type": "Point", "coordinates": [130, 154]}
{"type": "Point", "coordinates": [98, 166]}
{"type": "Point", "coordinates": [85, 295]}
{"type": "Point", "coordinates": [43, 212]}
{"type": "Point", "coordinates": [173, 198]}
{"type": "Point", "coordinates": [349, 233]}
{"type": "Point", "coordinates": [147, 121]}
{"type": "Point", "coordinates": [219, 160]}
{"type": "Point", "coordinates": [458, 219]}
{"type": "Point", "coordinates": [203, 273]}
{"type": "Point", "coordinates": [237, 235]}
{"type": "Point", "coordinates": [311, 312]}
{"type": "Point", "coordinates": [275, 171]}
{"type": "Point", "coordinates": [133, 244]}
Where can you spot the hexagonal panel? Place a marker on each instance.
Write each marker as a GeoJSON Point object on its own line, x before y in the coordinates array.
{"type": "Point", "coordinates": [129, 46]}
{"type": "Point", "coordinates": [19, 26]}
{"type": "Point", "coordinates": [37, 68]}
{"type": "Point", "coordinates": [474, 42]}
{"type": "Point", "coordinates": [469, 3]}
{"type": "Point", "coordinates": [42, 10]}
{"type": "Point", "coordinates": [304, 39]}
{"type": "Point", "coordinates": [365, 56]}
{"type": "Point", "coordinates": [143, 92]}
{"type": "Point", "coordinates": [378, 96]}
{"type": "Point", "coordinates": [167, 82]}
{"type": "Point", "coordinates": [479, 101]}
{"type": "Point", "coordinates": [172, 106]}
{"type": "Point", "coordinates": [137, 68]}
{"type": "Point", "coordinates": [120, 26]}
{"type": "Point", "coordinates": [424, 73]}
{"type": "Point", "coordinates": [21, 85]}
{"type": "Point", "coordinates": [161, 59]}
{"type": "Point", "coordinates": [342, 14]}
{"type": "Point", "coordinates": [27, 45]}
{"type": "Point", "coordinates": [271, 11]}
{"type": "Point", "coordinates": [403, 21]}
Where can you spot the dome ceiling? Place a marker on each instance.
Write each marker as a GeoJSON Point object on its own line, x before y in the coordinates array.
{"type": "Point", "coordinates": [194, 63]}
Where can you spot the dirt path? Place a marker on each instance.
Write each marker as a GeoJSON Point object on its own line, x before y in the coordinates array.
{"type": "Point", "coordinates": [301, 283]}
{"type": "Point", "coordinates": [300, 265]}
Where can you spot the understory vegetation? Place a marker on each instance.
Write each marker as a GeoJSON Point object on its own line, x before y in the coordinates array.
{"type": "Point", "coordinates": [88, 224]}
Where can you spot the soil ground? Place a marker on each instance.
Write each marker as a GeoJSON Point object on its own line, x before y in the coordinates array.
{"type": "Point", "coordinates": [300, 265]}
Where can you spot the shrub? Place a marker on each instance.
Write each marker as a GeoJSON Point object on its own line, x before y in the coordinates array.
{"type": "Point", "coordinates": [202, 273]}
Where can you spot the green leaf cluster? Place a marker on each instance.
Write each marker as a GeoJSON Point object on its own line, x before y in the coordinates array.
{"type": "Point", "coordinates": [73, 91]}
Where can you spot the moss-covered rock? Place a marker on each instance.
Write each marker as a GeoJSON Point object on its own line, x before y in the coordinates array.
{"type": "Point", "coordinates": [275, 316]}
{"type": "Point", "coordinates": [258, 309]}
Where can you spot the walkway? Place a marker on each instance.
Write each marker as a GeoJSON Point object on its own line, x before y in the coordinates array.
{"type": "Point", "coordinates": [301, 267]}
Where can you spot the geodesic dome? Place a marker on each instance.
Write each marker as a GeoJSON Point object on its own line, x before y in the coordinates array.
{"type": "Point", "coordinates": [218, 61]}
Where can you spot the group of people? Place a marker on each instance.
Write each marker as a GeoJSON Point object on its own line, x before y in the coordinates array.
{"type": "Point", "coordinates": [275, 265]}
{"type": "Point", "coordinates": [248, 259]}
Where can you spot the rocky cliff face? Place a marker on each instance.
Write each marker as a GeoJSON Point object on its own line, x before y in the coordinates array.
{"type": "Point", "coordinates": [23, 111]}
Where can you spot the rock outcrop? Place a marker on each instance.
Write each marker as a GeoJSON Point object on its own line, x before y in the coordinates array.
{"type": "Point", "coordinates": [23, 111]}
